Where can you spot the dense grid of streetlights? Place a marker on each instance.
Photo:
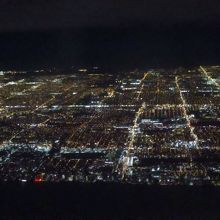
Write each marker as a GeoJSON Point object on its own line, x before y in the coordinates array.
{"type": "Point", "coordinates": [154, 127]}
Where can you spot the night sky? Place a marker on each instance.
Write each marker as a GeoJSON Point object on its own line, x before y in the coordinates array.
{"type": "Point", "coordinates": [46, 14]}
{"type": "Point", "coordinates": [120, 33]}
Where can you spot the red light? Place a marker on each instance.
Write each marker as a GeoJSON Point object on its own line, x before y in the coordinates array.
{"type": "Point", "coordinates": [38, 180]}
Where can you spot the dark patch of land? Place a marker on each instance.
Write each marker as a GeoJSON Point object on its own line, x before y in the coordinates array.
{"type": "Point", "coordinates": [107, 201]}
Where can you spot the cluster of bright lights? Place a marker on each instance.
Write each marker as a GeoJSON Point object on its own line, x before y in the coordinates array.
{"type": "Point", "coordinates": [184, 104]}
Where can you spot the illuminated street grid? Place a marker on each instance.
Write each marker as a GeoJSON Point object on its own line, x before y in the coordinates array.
{"type": "Point", "coordinates": [153, 127]}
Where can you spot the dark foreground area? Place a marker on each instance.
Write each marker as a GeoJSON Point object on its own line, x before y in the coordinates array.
{"type": "Point", "coordinates": [107, 201]}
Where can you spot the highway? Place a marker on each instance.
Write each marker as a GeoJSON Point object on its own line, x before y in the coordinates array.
{"type": "Point", "coordinates": [213, 81]}
{"type": "Point", "coordinates": [131, 138]}
{"type": "Point", "coordinates": [184, 104]}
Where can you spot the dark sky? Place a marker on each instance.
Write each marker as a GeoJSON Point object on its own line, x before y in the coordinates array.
{"type": "Point", "coordinates": [18, 15]}
{"type": "Point", "coordinates": [119, 33]}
